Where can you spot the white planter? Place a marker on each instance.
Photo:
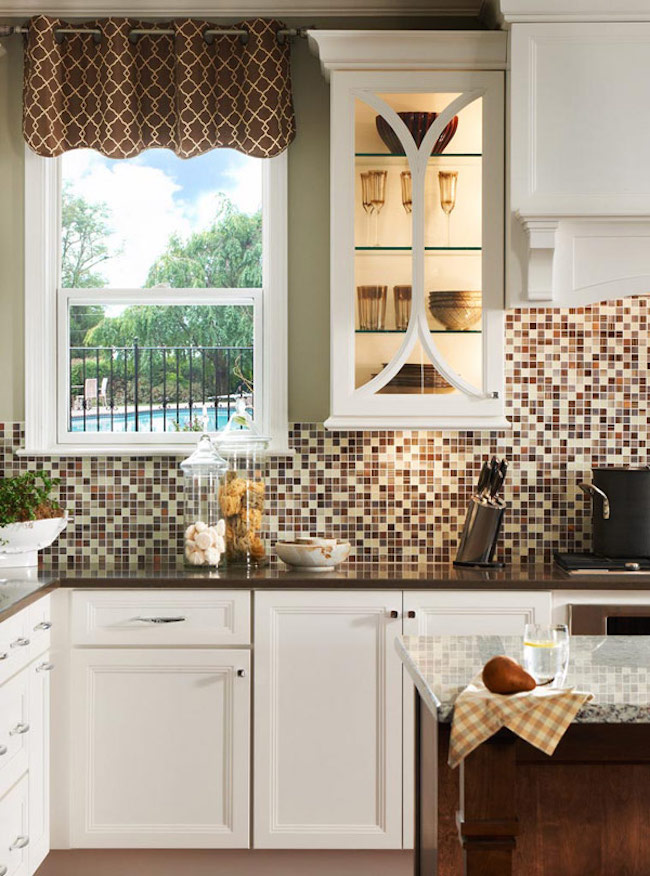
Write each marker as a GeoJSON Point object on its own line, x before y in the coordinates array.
{"type": "Point", "coordinates": [21, 542]}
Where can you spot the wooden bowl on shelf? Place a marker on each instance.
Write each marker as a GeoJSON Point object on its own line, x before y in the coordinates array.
{"type": "Point", "coordinates": [418, 125]}
{"type": "Point", "coordinates": [415, 378]}
{"type": "Point", "coordinates": [457, 311]}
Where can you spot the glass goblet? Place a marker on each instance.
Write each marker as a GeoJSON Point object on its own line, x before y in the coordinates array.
{"type": "Point", "coordinates": [448, 182]}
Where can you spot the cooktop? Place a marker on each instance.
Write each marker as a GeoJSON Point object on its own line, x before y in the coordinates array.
{"type": "Point", "coordinates": [590, 564]}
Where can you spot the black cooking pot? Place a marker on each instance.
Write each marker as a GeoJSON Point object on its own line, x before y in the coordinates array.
{"type": "Point", "coordinates": [620, 511]}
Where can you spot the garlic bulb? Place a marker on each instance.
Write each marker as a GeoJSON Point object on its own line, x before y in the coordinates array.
{"type": "Point", "coordinates": [204, 545]}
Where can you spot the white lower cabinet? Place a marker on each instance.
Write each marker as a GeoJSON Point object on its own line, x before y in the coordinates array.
{"type": "Point", "coordinates": [328, 722]}
{"type": "Point", "coordinates": [160, 748]}
{"type": "Point", "coordinates": [24, 740]}
{"type": "Point", "coordinates": [460, 613]}
{"type": "Point", "coordinates": [39, 760]}
{"type": "Point", "coordinates": [14, 830]}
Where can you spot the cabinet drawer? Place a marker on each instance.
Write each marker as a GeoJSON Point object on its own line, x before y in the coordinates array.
{"type": "Point", "coordinates": [15, 644]}
{"type": "Point", "coordinates": [14, 729]}
{"type": "Point", "coordinates": [14, 837]}
{"type": "Point", "coordinates": [40, 624]}
{"type": "Point", "coordinates": [161, 617]}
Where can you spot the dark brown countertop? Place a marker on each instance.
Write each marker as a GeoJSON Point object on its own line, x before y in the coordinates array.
{"type": "Point", "coordinates": [28, 585]}
{"type": "Point", "coordinates": [361, 576]}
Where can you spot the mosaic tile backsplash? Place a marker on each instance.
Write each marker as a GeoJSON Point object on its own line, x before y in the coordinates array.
{"type": "Point", "coordinates": [577, 396]}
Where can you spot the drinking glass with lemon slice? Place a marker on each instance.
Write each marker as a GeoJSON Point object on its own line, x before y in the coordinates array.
{"type": "Point", "coordinates": [546, 653]}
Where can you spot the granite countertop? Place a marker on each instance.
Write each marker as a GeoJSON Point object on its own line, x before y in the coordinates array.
{"type": "Point", "coordinates": [20, 585]}
{"type": "Point", "coordinates": [616, 669]}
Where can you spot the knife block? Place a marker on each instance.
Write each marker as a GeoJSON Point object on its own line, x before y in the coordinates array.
{"type": "Point", "coordinates": [478, 540]}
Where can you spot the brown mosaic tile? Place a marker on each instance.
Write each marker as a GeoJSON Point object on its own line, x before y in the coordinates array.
{"type": "Point", "coordinates": [576, 394]}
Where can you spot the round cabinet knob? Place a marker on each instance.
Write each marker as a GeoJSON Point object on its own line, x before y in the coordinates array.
{"type": "Point", "coordinates": [19, 729]}
{"type": "Point", "coordinates": [3, 656]}
{"type": "Point", "coordinates": [45, 667]}
{"type": "Point", "coordinates": [20, 842]}
{"type": "Point", "coordinates": [20, 643]}
{"type": "Point", "coordinates": [241, 673]}
{"type": "Point", "coordinates": [3, 870]}
{"type": "Point", "coordinates": [410, 613]}
{"type": "Point", "coordinates": [3, 750]}
{"type": "Point", "coordinates": [394, 613]}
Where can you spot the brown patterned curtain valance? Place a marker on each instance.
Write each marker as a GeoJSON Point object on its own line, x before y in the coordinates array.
{"type": "Point", "coordinates": [185, 91]}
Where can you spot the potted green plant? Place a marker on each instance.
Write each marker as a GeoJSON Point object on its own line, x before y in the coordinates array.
{"type": "Point", "coordinates": [30, 519]}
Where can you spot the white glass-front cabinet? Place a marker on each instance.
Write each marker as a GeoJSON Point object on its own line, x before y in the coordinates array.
{"type": "Point", "coordinates": [417, 232]}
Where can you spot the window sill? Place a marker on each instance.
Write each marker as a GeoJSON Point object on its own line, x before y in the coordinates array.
{"type": "Point", "coordinates": [134, 451]}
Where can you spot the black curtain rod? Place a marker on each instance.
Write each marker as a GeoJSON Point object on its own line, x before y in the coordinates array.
{"type": "Point", "coordinates": [282, 34]}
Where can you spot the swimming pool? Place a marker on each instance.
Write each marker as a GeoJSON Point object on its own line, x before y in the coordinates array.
{"type": "Point", "coordinates": [148, 421]}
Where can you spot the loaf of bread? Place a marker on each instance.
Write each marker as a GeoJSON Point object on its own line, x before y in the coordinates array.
{"type": "Point", "coordinates": [503, 675]}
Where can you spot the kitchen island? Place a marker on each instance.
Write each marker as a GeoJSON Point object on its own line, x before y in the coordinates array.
{"type": "Point", "coordinates": [509, 808]}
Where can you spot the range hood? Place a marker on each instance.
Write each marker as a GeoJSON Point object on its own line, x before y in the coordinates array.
{"type": "Point", "coordinates": [579, 213]}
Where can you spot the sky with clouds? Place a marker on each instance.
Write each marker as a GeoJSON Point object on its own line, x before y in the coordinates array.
{"type": "Point", "coordinates": [156, 194]}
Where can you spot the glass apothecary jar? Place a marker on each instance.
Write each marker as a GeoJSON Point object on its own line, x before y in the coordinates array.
{"type": "Point", "coordinates": [204, 527]}
{"type": "Point", "coordinates": [242, 495]}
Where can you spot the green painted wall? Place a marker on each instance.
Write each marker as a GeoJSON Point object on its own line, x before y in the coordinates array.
{"type": "Point", "coordinates": [11, 234]}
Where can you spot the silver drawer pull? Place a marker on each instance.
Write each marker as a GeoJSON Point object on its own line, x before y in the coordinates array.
{"type": "Point", "coordinates": [45, 667]}
{"type": "Point", "coordinates": [160, 620]}
{"type": "Point", "coordinates": [20, 643]}
{"type": "Point", "coordinates": [19, 729]}
{"type": "Point", "coordinates": [3, 750]}
{"type": "Point", "coordinates": [3, 870]}
{"type": "Point", "coordinates": [19, 843]}
{"type": "Point", "coordinates": [44, 625]}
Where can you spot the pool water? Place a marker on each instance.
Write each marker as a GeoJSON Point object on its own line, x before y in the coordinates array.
{"type": "Point", "coordinates": [148, 421]}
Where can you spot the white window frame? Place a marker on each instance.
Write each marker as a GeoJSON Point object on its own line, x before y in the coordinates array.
{"type": "Point", "coordinates": [46, 323]}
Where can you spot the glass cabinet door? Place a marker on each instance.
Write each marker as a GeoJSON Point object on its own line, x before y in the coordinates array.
{"type": "Point", "coordinates": [425, 167]}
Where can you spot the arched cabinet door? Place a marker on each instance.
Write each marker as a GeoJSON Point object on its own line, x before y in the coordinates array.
{"type": "Point", "coordinates": [417, 250]}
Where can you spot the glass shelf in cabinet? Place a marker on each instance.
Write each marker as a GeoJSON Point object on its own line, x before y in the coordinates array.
{"type": "Point", "coordinates": [426, 249]}
{"type": "Point", "coordinates": [431, 331]}
{"type": "Point", "coordinates": [433, 155]}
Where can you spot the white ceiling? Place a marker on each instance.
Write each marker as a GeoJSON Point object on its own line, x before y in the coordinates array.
{"type": "Point", "coordinates": [239, 8]}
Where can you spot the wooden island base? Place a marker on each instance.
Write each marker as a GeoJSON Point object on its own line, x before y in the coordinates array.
{"type": "Point", "coordinates": [510, 810]}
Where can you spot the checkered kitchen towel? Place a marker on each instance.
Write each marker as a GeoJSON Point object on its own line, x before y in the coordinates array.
{"type": "Point", "coordinates": [540, 716]}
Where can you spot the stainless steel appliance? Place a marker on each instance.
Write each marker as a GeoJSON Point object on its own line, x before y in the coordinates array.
{"type": "Point", "coordinates": [609, 620]}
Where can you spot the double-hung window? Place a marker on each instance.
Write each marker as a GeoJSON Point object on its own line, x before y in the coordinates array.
{"type": "Point", "coordinates": [155, 298]}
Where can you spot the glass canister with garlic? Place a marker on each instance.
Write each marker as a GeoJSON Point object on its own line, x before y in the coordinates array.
{"type": "Point", "coordinates": [242, 494]}
{"type": "Point", "coordinates": [204, 541]}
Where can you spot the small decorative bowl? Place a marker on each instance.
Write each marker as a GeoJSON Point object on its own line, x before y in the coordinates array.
{"type": "Point", "coordinates": [313, 557]}
{"type": "Point", "coordinates": [418, 125]}
{"type": "Point", "coordinates": [457, 311]}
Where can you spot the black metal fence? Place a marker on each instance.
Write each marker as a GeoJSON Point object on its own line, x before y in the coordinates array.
{"type": "Point", "coordinates": [143, 388]}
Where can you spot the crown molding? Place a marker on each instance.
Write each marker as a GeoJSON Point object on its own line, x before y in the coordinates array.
{"type": "Point", "coordinates": [418, 49]}
{"type": "Point", "coordinates": [88, 9]}
{"type": "Point", "coordinates": [530, 11]}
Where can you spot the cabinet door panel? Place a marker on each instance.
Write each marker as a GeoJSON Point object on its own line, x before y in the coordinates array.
{"type": "Point", "coordinates": [460, 613]}
{"type": "Point", "coordinates": [14, 830]}
{"type": "Point", "coordinates": [327, 720]}
{"type": "Point", "coordinates": [14, 729]}
{"type": "Point", "coordinates": [160, 753]}
{"type": "Point", "coordinates": [39, 760]}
